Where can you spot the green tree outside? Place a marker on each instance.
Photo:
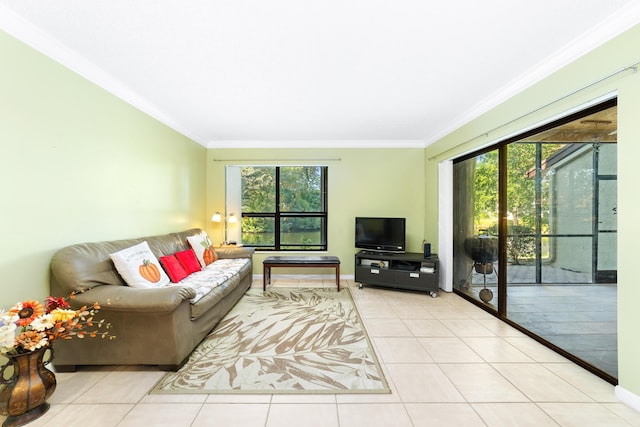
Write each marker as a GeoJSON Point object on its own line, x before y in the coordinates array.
{"type": "Point", "coordinates": [521, 192]}
{"type": "Point", "coordinates": [300, 191]}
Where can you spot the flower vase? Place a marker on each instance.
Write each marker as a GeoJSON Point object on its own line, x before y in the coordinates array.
{"type": "Point", "coordinates": [23, 396]}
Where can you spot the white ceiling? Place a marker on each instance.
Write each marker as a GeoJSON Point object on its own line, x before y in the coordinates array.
{"type": "Point", "coordinates": [349, 73]}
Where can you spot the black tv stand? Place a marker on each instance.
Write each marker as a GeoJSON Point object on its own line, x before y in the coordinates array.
{"type": "Point", "coordinates": [407, 271]}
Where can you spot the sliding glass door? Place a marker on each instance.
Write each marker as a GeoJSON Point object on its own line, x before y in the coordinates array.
{"type": "Point", "coordinates": [535, 234]}
{"type": "Point", "coordinates": [476, 227]}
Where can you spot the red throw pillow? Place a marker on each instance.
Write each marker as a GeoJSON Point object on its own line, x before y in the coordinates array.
{"type": "Point", "coordinates": [189, 261]}
{"type": "Point", "coordinates": [174, 269]}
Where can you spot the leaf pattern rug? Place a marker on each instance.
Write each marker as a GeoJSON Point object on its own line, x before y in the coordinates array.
{"type": "Point", "coordinates": [283, 341]}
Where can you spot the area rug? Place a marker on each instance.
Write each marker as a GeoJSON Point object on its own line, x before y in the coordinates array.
{"type": "Point", "coordinates": [283, 341]}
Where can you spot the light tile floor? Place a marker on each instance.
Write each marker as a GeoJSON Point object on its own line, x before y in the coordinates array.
{"type": "Point", "coordinates": [448, 363]}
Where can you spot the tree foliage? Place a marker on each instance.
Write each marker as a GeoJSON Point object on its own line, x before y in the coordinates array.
{"type": "Point", "coordinates": [485, 201]}
{"type": "Point", "coordinates": [300, 188]}
{"type": "Point", "coordinates": [258, 189]}
{"type": "Point", "coordinates": [521, 175]}
{"type": "Point", "coordinates": [300, 191]}
{"type": "Point", "coordinates": [521, 195]}
{"type": "Point", "coordinates": [258, 195]}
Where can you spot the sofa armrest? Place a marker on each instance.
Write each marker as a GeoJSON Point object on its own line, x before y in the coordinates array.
{"type": "Point", "coordinates": [235, 252]}
{"type": "Point", "coordinates": [124, 298]}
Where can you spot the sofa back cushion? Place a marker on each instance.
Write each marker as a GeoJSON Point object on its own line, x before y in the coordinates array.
{"type": "Point", "coordinates": [84, 266]}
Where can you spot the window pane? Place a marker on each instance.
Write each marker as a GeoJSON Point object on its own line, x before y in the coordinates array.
{"type": "Point", "coordinates": [524, 197]}
{"type": "Point", "coordinates": [300, 189]}
{"type": "Point", "coordinates": [561, 210]}
{"type": "Point", "coordinates": [608, 159]}
{"type": "Point", "coordinates": [476, 226]}
{"type": "Point", "coordinates": [296, 232]}
{"type": "Point", "coordinates": [258, 232]}
{"type": "Point", "coordinates": [258, 189]}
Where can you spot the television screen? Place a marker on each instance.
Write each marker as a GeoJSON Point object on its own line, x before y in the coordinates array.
{"type": "Point", "coordinates": [380, 234]}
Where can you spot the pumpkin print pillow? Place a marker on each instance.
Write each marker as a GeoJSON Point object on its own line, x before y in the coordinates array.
{"type": "Point", "coordinates": [139, 267]}
{"type": "Point", "coordinates": [201, 245]}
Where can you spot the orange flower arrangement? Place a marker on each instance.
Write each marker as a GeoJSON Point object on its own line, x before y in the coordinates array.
{"type": "Point", "coordinates": [29, 325]}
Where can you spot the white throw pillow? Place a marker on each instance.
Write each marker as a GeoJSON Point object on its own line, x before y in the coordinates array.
{"type": "Point", "coordinates": [201, 245]}
{"type": "Point", "coordinates": [139, 267]}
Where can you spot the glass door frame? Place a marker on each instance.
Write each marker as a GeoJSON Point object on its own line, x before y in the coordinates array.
{"type": "Point", "coordinates": [502, 285]}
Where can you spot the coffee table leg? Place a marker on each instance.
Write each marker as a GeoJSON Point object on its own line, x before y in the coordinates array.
{"type": "Point", "coordinates": [264, 277]}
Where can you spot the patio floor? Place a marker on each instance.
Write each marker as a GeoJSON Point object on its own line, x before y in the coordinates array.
{"type": "Point", "coordinates": [567, 311]}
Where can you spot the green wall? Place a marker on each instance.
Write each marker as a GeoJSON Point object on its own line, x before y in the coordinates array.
{"type": "Point", "coordinates": [79, 164]}
{"type": "Point", "coordinates": [372, 182]}
{"type": "Point", "coordinates": [558, 90]}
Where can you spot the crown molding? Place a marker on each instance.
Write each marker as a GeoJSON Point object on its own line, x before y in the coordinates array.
{"type": "Point", "coordinates": [41, 41]}
{"type": "Point", "coordinates": [16, 26]}
{"type": "Point", "coordinates": [374, 143]}
{"type": "Point", "coordinates": [616, 24]}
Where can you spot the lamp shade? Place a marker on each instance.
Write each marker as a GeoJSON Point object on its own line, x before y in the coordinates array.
{"type": "Point", "coordinates": [216, 217]}
{"type": "Point", "coordinates": [232, 218]}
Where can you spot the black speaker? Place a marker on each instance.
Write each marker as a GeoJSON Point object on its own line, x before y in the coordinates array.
{"type": "Point", "coordinates": [427, 250]}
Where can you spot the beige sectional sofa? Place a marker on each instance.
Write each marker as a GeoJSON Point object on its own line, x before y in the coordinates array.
{"type": "Point", "coordinates": [156, 326]}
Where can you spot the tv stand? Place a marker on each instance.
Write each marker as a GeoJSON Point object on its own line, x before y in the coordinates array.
{"type": "Point", "coordinates": [408, 271]}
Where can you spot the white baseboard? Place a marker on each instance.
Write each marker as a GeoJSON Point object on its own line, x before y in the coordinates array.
{"type": "Point", "coordinates": [628, 398]}
{"type": "Point", "coordinates": [258, 277]}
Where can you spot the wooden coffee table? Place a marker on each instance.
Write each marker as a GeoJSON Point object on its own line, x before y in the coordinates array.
{"type": "Point", "coordinates": [299, 262]}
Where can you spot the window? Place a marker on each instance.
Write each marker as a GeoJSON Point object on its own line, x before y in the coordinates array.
{"type": "Point", "coordinates": [284, 208]}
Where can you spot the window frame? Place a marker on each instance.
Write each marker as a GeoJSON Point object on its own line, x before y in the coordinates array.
{"type": "Point", "coordinates": [278, 215]}
{"type": "Point", "coordinates": [459, 256]}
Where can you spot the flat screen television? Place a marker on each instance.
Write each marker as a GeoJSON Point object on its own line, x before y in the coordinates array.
{"type": "Point", "coordinates": [380, 234]}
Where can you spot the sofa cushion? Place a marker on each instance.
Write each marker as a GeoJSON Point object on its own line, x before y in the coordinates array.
{"type": "Point", "coordinates": [174, 269]}
{"type": "Point", "coordinates": [201, 245]}
{"type": "Point", "coordinates": [188, 261]}
{"type": "Point", "coordinates": [207, 283]}
{"type": "Point", "coordinates": [139, 267]}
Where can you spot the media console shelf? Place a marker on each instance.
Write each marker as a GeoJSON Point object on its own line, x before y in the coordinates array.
{"type": "Point", "coordinates": [409, 271]}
